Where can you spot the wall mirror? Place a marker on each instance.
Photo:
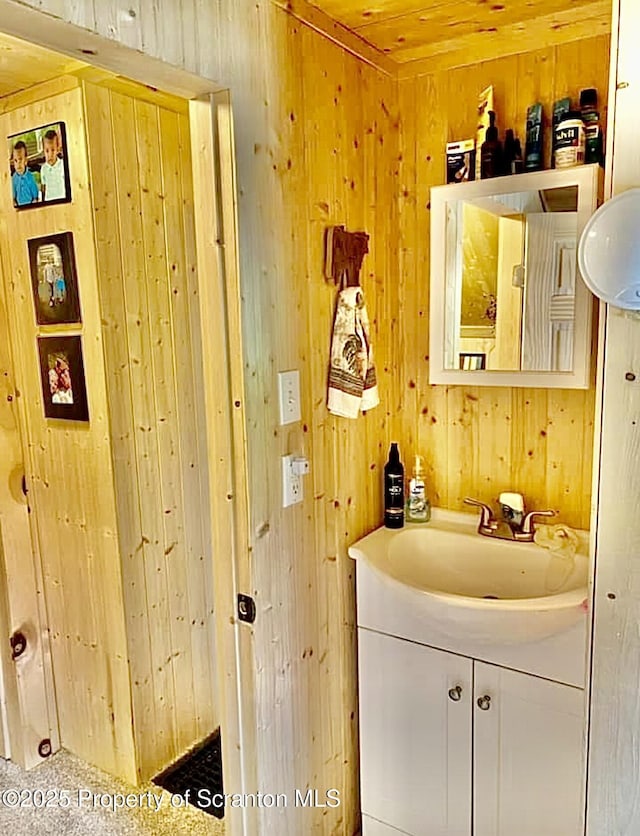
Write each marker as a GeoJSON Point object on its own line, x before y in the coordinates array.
{"type": "Point", "coordinates": [508, 306]}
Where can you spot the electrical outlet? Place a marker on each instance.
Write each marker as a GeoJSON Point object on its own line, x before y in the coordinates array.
{"type": "Point", "coordinates": [289, 395]}
{"type": "Point", "coordinates": [291, 482]}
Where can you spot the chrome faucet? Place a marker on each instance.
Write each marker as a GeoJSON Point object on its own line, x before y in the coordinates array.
{"type": "Point", "coordinates": [515, 523]}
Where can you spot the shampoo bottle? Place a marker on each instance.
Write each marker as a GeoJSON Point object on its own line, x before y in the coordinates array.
{"type": "Point", "coordinates": [418, 507]}
{"type": "Point", "coordinates": [394, 489]}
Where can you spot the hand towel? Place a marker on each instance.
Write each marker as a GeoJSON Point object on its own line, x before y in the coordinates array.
{"type": "Point", "coordinates": [559, 539]}
{"type": "Point", "coordinates": [352, 375]}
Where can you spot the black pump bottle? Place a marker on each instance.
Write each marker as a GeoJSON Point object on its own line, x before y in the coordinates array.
{"type": "Point", "coordinates": [394, 489]}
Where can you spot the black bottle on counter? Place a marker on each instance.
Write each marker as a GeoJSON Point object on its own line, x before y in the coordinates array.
{"type": "Point", "coordinates": [394, 489]}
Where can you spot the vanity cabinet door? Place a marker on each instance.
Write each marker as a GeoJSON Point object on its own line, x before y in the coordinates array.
{"type": "Point", "coordinates": [415, 737]}
{"type": "Point", "coordinates": [528, 755]}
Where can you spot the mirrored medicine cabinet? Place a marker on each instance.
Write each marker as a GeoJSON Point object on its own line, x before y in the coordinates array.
{"type": "Point", "coordinates": [507, 304]}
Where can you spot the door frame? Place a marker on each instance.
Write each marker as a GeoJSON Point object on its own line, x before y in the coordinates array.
{"type": "Point", "coordinates": [216, 221]}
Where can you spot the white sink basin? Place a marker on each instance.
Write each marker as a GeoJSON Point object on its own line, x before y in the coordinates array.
{"type": "Point", "coordinates": [471, 586]}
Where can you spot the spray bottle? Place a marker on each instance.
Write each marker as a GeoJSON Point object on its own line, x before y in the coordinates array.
{"type": "Point", "coordinates": [394, 489]}
{"type": "Point", "coordinates": [418, 507]}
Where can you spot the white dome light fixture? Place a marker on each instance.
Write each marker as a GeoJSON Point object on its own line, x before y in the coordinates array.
{"type": "Point", "coordinates": [609, 251]}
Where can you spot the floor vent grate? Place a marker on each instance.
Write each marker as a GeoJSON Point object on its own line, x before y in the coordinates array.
{"type": "Point", "coordinates": [199, 772]}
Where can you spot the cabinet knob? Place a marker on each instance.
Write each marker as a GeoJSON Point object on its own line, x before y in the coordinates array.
{"type": "Point", "coordinates": [484, 703]}
{"type": "Point", "coordinates": [455, 694]}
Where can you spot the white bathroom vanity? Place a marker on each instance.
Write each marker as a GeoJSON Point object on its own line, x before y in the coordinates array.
{"type": "Point", "coordinates": [471, 683]}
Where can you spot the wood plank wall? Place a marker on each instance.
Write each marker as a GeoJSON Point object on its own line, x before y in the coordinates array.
{"type": "Point", "coordinates": [613, 801]}
{"type": "Point", "coordinates": [333, 160]}
{"type": "Point", "coordinates": [480, 441]}
{"type": "Point", "coordinates": [69, 468]}
{"type": "Point", "coordinates": [311, 119]}
{"type": "Point", "coordinates": [310, 122]}
{"type": "Point", "coordinates": [140, 162]}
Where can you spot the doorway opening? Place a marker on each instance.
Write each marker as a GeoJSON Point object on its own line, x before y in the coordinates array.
{"type": "Point", "coordinates": [130, 653]}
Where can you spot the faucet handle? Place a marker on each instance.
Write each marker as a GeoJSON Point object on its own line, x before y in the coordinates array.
{"type": "Point", "coordinates": [527, 523]}
{"type": "Point", "coordinates": [486, 513]}
{"type": "Point", "coordinates": [512, 507]}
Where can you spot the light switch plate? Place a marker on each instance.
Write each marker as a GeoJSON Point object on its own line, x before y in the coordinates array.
{"type": "Point", "coordinates": [289, 396]}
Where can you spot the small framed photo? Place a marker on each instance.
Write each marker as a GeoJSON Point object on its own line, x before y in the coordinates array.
{"type": "Point", "coordinates": [39, 166]}
{"type": "Point", "coordinates": [62, 374]}
{"type": "Point", "coordinates": [54, 280]}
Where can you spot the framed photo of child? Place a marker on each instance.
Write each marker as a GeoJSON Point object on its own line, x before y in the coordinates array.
{"type": "Point", "coordinates": [53, 279]}
{"type": "Point", "coordinates": [62, 374]}
{"type": "Point", "coordinates": [39, 166]}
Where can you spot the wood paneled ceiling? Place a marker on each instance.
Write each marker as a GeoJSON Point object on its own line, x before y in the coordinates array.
{"type": "Point", "coordinates": [427, 35]}
{"type": "Point", "coordinates": [23, 65]}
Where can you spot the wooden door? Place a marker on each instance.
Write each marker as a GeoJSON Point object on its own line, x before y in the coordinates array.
{"type": "Point", "coordinates": [508, 295]}
{"type": "Point", "coordinates": [550, 287]}
{"type": "Point", "coordinates": [415, 737]}
{"type": "Point", "coordinates": [26, 692]}
{"type": "Point", "coordinates": [528, 755]}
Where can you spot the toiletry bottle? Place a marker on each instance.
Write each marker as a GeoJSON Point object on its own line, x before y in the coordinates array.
{"type": "Point", "coordinates": [593, 131]}
{"type": "Point", "coordinates": [418, 507]}
{"type": "Point", "coordinates": [570, 140]}
{"type": "Point", "coordinates": [512, 155]}
{"type": "Point", "coordinates": [517, 163]}
{"type": "Point", "coordinates": [485, 104]}
{"type": "Point", "coordinates": [491, 151]}
{"type": "Point", "coordinates": [533, 144]}
{"type": "Point", "coordinates": [394, 489]}
{"type": "Point", "coordinates": [560, 109]}
{"type": "Point", "coordinates": [508, 151]}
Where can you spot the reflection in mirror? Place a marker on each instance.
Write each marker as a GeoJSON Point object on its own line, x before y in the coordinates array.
{"type": "Point", "coordinates": [511, 281]}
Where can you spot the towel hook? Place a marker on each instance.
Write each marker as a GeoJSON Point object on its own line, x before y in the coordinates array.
{"type": "Point", "coordinates": [344, 252]}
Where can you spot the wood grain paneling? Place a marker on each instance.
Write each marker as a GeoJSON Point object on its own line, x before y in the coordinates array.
{"type": "Point", "coordinates": [332, 160]}
{"type": "Point", "coordinates": [456, 21]}
{"type": "Point", "coordinates": [359, 14]}
{"type": "Point", "coordinates": [331, 28]}
{"type": "Point", "coordinates": [481, 441]}
{"type": "Point", "coordinates": [69, 471]}
{"type": "Point", "coordinates": [509, 39]}
{"type": "Point", "coordinates": [613, 803]}
{"type": "Point", "coordinates": [140, 165]}
{"type": "Point", "coordinates": [23, 65]}
{"type": "Point", "coordinates": [421, 36]}
{"type": "Point", "coordinates": [125, 551]}
{"type": "Point", "coordinates": [321, 139]}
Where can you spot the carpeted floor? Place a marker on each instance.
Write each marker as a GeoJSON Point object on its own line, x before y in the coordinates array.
{"type": "Point", "coordinates": [87, 788]}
